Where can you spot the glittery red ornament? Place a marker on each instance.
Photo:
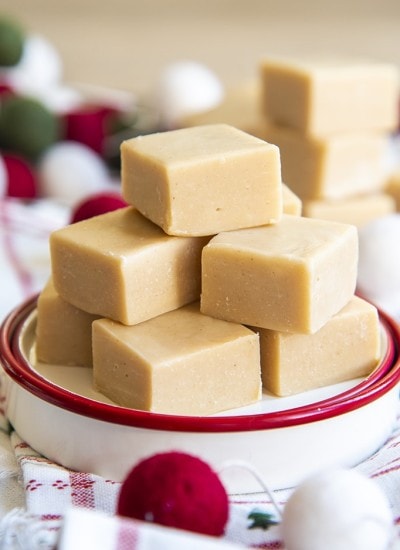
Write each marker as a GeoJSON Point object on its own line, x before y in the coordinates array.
{"type": "Point", "coordinates": [21, 178]}
{"type": "Point", "coordinates": [88, 125]}
{"type": "Point", "coordinates": [178, 490]}
{"type": "Point", "coordinates": [97, 204]}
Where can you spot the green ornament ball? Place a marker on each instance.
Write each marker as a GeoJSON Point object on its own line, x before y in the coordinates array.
{"type": "Point", "coordinates": [12, 40]}
{"type": "Point", "coordinates": [27, 126]}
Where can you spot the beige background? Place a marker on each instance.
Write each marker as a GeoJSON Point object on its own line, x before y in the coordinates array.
{"type": "Point", "coordinates": [125, 43]}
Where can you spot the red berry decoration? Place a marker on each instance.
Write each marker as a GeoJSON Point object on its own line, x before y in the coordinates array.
{"type": "Point", "coordinates": [178, 490]}
{"type": "Point", "coordinates": [21, 179]}
{"type": "Point", "coordinates": [96, 205]}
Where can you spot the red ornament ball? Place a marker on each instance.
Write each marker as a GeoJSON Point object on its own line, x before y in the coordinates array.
{"type": "Point", "coordinates": [178, 490]}
{"type": "Point", "coordinates": [5, 89]}
{"type": "Point", "coordinates": [88, 125]}
{"type": "Point", "coordinates": [96, 205]}
{"type": "Point", "coordinates": [21, 178]}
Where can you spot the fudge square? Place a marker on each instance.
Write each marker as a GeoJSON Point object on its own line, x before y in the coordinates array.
{"type": "Point", "coordinates": [346, 347]}
{"type": "Point", "coordinates": [291, 276]}
{"type": "Point", "coordinates": [122, 266]}
{"type": "Point", "coordinates": [320, 97]}
{"type": "Point", "coordinates": [292, 204]}
{"type": "Point", "coordinates": [202, 180]}
{"type": "Point", "coordinates": [334, 167]}
{"type": "Point", "coordinates": [63, 332]}
{"type": "Point", "coordinates": [358, 210]}
{"type": "Point", "coordinates": [181, 362]}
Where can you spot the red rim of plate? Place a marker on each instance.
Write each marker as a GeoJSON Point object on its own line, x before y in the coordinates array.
{"type": "Point", "coordinates": [383, 379]}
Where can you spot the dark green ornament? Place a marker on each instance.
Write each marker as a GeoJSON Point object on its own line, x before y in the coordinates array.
{"type": "Point", "coordinates": [27, 126]}
{"type": "Point", "coordinates": [12, 40]}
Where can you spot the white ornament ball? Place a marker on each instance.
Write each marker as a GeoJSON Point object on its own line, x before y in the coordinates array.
{"type": "Point", "coordinates": [39, 67]}
{"type": "Point", "coordinates": [3, 178]}
{"type": "Point", "coordinates": [59, 99]}
{"type": "Point", "coordinates": [70, 171]}
{"type": "Point", "coordinates": [337, 510]}
{"type": "Point", "coordinates": [379, 262]}
{"type": "Point", "coordinates": [185, 88]}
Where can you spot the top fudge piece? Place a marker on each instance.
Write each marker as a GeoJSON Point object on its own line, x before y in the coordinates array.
{"type": "Point", "coordinates": [203, 180]}
{"type": "Point", "coordinates": [291, 276]}
{"type": "Point", "coordinates": [122, 266]}
{"type": "Point", "coordinates": [323, 97]}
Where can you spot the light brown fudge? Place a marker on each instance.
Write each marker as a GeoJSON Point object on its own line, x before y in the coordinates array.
{"type": "Point", "coordinates": [332, 167]}
{"type": "Point", "coordinates": [122, 266]}
{"type": "Point", "coordinates": [357, 210]}
{"type": "Point", "coordinates": [63, 332]}
{"type": "Point", "coordinates": [325, 96]}
{"type": "Point", "coordinates": [181, 362]}
{"type": "Point", "coordinates": [202, 180]}
{"type": "Point", "coordinates": [392, 187]}
{"type": "Point", "coordinates": [348, 346]}
{"type": "Point", "coordinates": [292, 204]}
{"type": "Point", "coordinates": [292, 276]}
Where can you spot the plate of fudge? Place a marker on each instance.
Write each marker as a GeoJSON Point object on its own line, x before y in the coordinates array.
{"type": "Point", "coordinates": [208, 316]}
{"type": "Point", "coordinates": [59, 412]}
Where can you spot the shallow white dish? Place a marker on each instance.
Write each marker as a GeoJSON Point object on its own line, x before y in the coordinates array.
{"type": "Point", "coordinates": [56, 411]}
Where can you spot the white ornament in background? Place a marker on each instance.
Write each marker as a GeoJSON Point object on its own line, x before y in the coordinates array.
{"type": "Point", "coordinates": [59, 99]}
{"type": "Point", "coordinates": [379, 263]}
{"type": "Point", "coordinates": [3, 178]}
{"type": "Point", "coordinates": [39, 67]}
{"type": "Point", "coordinates": [337, 510]}
{"type": "Point", "coordinates": [122, 100]}
{"type": "Point", "coordinates": [392, 156]}
{"type": "Point", "coordinates": [70, 171]}
{"type": "Point", "coordinates": [39, 75]}
{"type": "Point", "coordinates": [185, 88]}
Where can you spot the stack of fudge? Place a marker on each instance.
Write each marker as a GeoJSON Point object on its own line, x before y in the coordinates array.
{"type": "Point", "coordinates": [209, 287]}
{"type": "Point", "coordinates": [333, 120]}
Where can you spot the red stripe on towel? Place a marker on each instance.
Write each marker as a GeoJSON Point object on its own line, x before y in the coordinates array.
{"type": "Point", "coordinates": [82, 490]}
{"type": "Point", "coordinates": [127, 537]}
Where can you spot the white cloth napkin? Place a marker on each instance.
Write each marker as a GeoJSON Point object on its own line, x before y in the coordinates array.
{"type": "Point", "coordinates": [64, 507]}
{"type": "Point", "coordinates": [86, 530]}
